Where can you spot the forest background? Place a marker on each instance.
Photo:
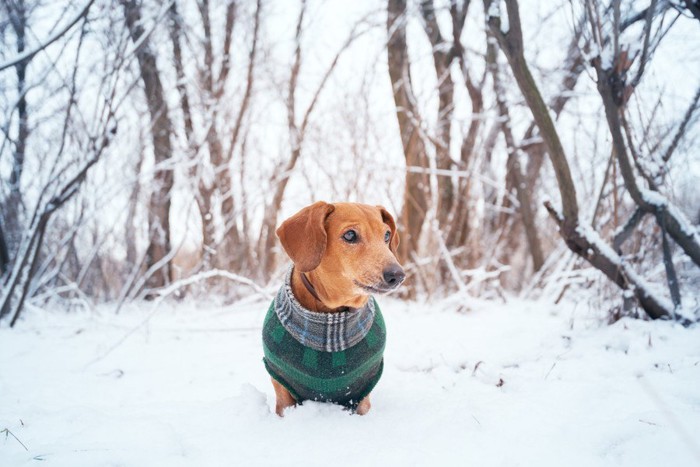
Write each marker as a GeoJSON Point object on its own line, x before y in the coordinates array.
{"type": "Point", "coordinates": [150, 149]}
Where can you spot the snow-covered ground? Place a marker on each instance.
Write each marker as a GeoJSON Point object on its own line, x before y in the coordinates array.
{"type": "Point", "coordinates": [521, 383]}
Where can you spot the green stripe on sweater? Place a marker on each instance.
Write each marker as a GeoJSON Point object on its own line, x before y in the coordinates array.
{"type": "Point", "coordinates": [323, 384]}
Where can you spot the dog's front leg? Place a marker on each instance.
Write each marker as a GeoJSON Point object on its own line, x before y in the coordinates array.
{"type": "Point", "coordinates": [364, 406]}
{"type": "Point", "coordinates": [284, 398]}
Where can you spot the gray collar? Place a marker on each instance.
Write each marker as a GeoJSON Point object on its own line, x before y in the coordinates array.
{"type": "Point", "coordinates": [326, 332]}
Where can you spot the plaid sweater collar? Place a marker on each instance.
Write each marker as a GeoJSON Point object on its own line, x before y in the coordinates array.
{"type": "Point", "coordinates": [327, 332]}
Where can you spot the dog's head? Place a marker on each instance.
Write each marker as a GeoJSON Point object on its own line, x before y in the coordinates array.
{"type": "Point", "coordinates": [349, 248]}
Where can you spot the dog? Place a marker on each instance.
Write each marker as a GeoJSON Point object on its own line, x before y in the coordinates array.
{"type": "Point", "coordinates": [324, 334]}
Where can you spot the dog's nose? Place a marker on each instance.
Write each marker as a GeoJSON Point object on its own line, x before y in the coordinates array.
{"type": "Point", "coordinates": [394, 275]}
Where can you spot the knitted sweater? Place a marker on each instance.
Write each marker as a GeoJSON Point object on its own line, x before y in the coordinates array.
{"type": "Point", "coordinates": [343, 377]}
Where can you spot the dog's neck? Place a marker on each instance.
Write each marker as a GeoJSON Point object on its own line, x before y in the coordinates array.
{"type": "Point", "coordinates": [315, 295]}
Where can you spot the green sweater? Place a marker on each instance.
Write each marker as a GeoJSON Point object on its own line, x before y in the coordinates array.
{"type": "Point", "coordinates": [344, 377]}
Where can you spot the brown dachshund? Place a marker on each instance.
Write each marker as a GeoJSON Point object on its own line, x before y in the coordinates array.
{"type": "Point", "coordinates": [325, 315]}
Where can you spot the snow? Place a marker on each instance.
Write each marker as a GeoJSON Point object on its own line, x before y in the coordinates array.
{"type": "Point", "coordinates": [658, 200]}
{"type": "Point", "coordinates": [515, 383]}
{"type": "Point", "coordinates": [494, 9]}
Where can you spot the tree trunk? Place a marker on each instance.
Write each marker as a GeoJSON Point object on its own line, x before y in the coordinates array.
{"type": "Point", "coordinates": [221, 183]}
{"type": "Point", "coordinates": [417, 188]}
{"type": "Point", "coordinates": [235, 245]}
{"type": "Point", "coordinates": [4, 255]}
{"type": "Point", "coordinates": [159, 246]}
{"type": "Point", "coordinates": [13, 207]}
{"type": "Point", "coordinates": [266, 252]}
{"type": "Point", "coordinates": [175, 29]}
{"type": "Point", "coordinates": [442, 59]}
{"type": "Point", "coordinates": [459, 229]}
{"type": "Point", "coordinates": [131, 228]}
{"type": "Point", "coordinates": [515, 171]}
{"type": "Point", "coordinates": [512, 45]}
{"type": "Point", "coordinates": [268, 240]}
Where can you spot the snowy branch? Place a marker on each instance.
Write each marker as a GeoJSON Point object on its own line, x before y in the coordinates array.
{"type": "Point", "coordinates": [26, 56]}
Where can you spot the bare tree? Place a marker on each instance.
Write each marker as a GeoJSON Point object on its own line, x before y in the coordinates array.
{"type": "Point", "coordinates": [417, 187]}
{"type": "Point", "coordinates": [486, 153]}
{"type": "Point", "coordinates": [215, 179]}
{"type": "Point", "coordinates": [579, 239]}
{"type": "Point", "coordinates": [236, 246]}
{"type": "Point", "coordinates": [159, 247]}
{"type": "Point", "coordinates": [20, 269]}
{"type": "Point", "coordinates": [459, 229]}
{"type": "Point", "coordinates": [615, 91]}
{"type": "Point", "coordinates": [443, 56]}
{"type": "Point", "coordinates": [4, 254]}
{"type": "Point", "coordinates": [13, 207]}
{"type": "Point", "coordinates": [214, 86]}
{"type": "Point", "coordinates": [297, 125]}
{"type": "Point", "coordinates": [516, 176]}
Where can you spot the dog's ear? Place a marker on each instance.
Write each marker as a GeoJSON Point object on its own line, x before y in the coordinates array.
{"type": "Point", "coordinates": [389, 220]}
{"type": "Point", "coordinates": [303, 235]}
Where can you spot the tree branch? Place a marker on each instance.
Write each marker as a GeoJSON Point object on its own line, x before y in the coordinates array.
{"type": "Point", "coordinates": [512, 45]}
{"type": "Point", "coordinates": [680, 229]}
{"type": "Point", "coordinates": [4, 256]}
{"type": "Point", "coordinates": [645, 47]}
{"type": "Point", "coordinates": [29, 54]}
{"type": "Point", "coordinates": [682, 127]}
{"type": "Point", "coordinates": [626, 231]}
{"type": "Point", "coordinates": [694, 8]}
{"type": "Point", "coordinates": [589, 245]}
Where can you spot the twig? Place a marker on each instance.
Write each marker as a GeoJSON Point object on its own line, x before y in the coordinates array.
{"type": "Point", "coordinates": [550, 370]}
{"type": "Point", "coordinates": [8, 432]}
{"type": "Point", "coordinates": [25, 56]}
{"type": "Point", "coordinates": [645, 48]}
{"type": "Point", "coordinates": [681, 129]}
{"type": "Point", "coordinates": [445, 253]}
{"type": "Point", "coordinates": [599, 200]}
{"type": "Point", "coordinates": [208, 275]}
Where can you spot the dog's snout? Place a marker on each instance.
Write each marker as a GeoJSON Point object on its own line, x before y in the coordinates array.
{"type": "Point", "coordinates": [394, 275]}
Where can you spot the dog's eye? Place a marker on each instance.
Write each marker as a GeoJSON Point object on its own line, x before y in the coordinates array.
{"type": "Point", "coordinates": [350, 236]}
{"type": "Point", "coordinates": [387, 236]}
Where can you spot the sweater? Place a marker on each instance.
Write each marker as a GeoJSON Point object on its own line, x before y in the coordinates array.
{"type": "Point", "coordinates": [343, 377]}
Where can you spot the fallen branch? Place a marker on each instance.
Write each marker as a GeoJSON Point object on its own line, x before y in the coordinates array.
{"type": "Point", "coordinates": [587, 244]}
{"type": "Point", "coordinates": [8, 433]}
{"type": "Point", "coordinates": [177, 285]}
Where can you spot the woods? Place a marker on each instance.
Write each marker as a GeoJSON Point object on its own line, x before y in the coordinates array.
{"type": "Point", "coordinates": [532, 150]}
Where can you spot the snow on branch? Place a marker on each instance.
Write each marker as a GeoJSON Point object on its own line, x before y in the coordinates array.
{"type": "Point", "coordinates": [27, 55]}
{"type": "Point", "coordinates": [204, 275]}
